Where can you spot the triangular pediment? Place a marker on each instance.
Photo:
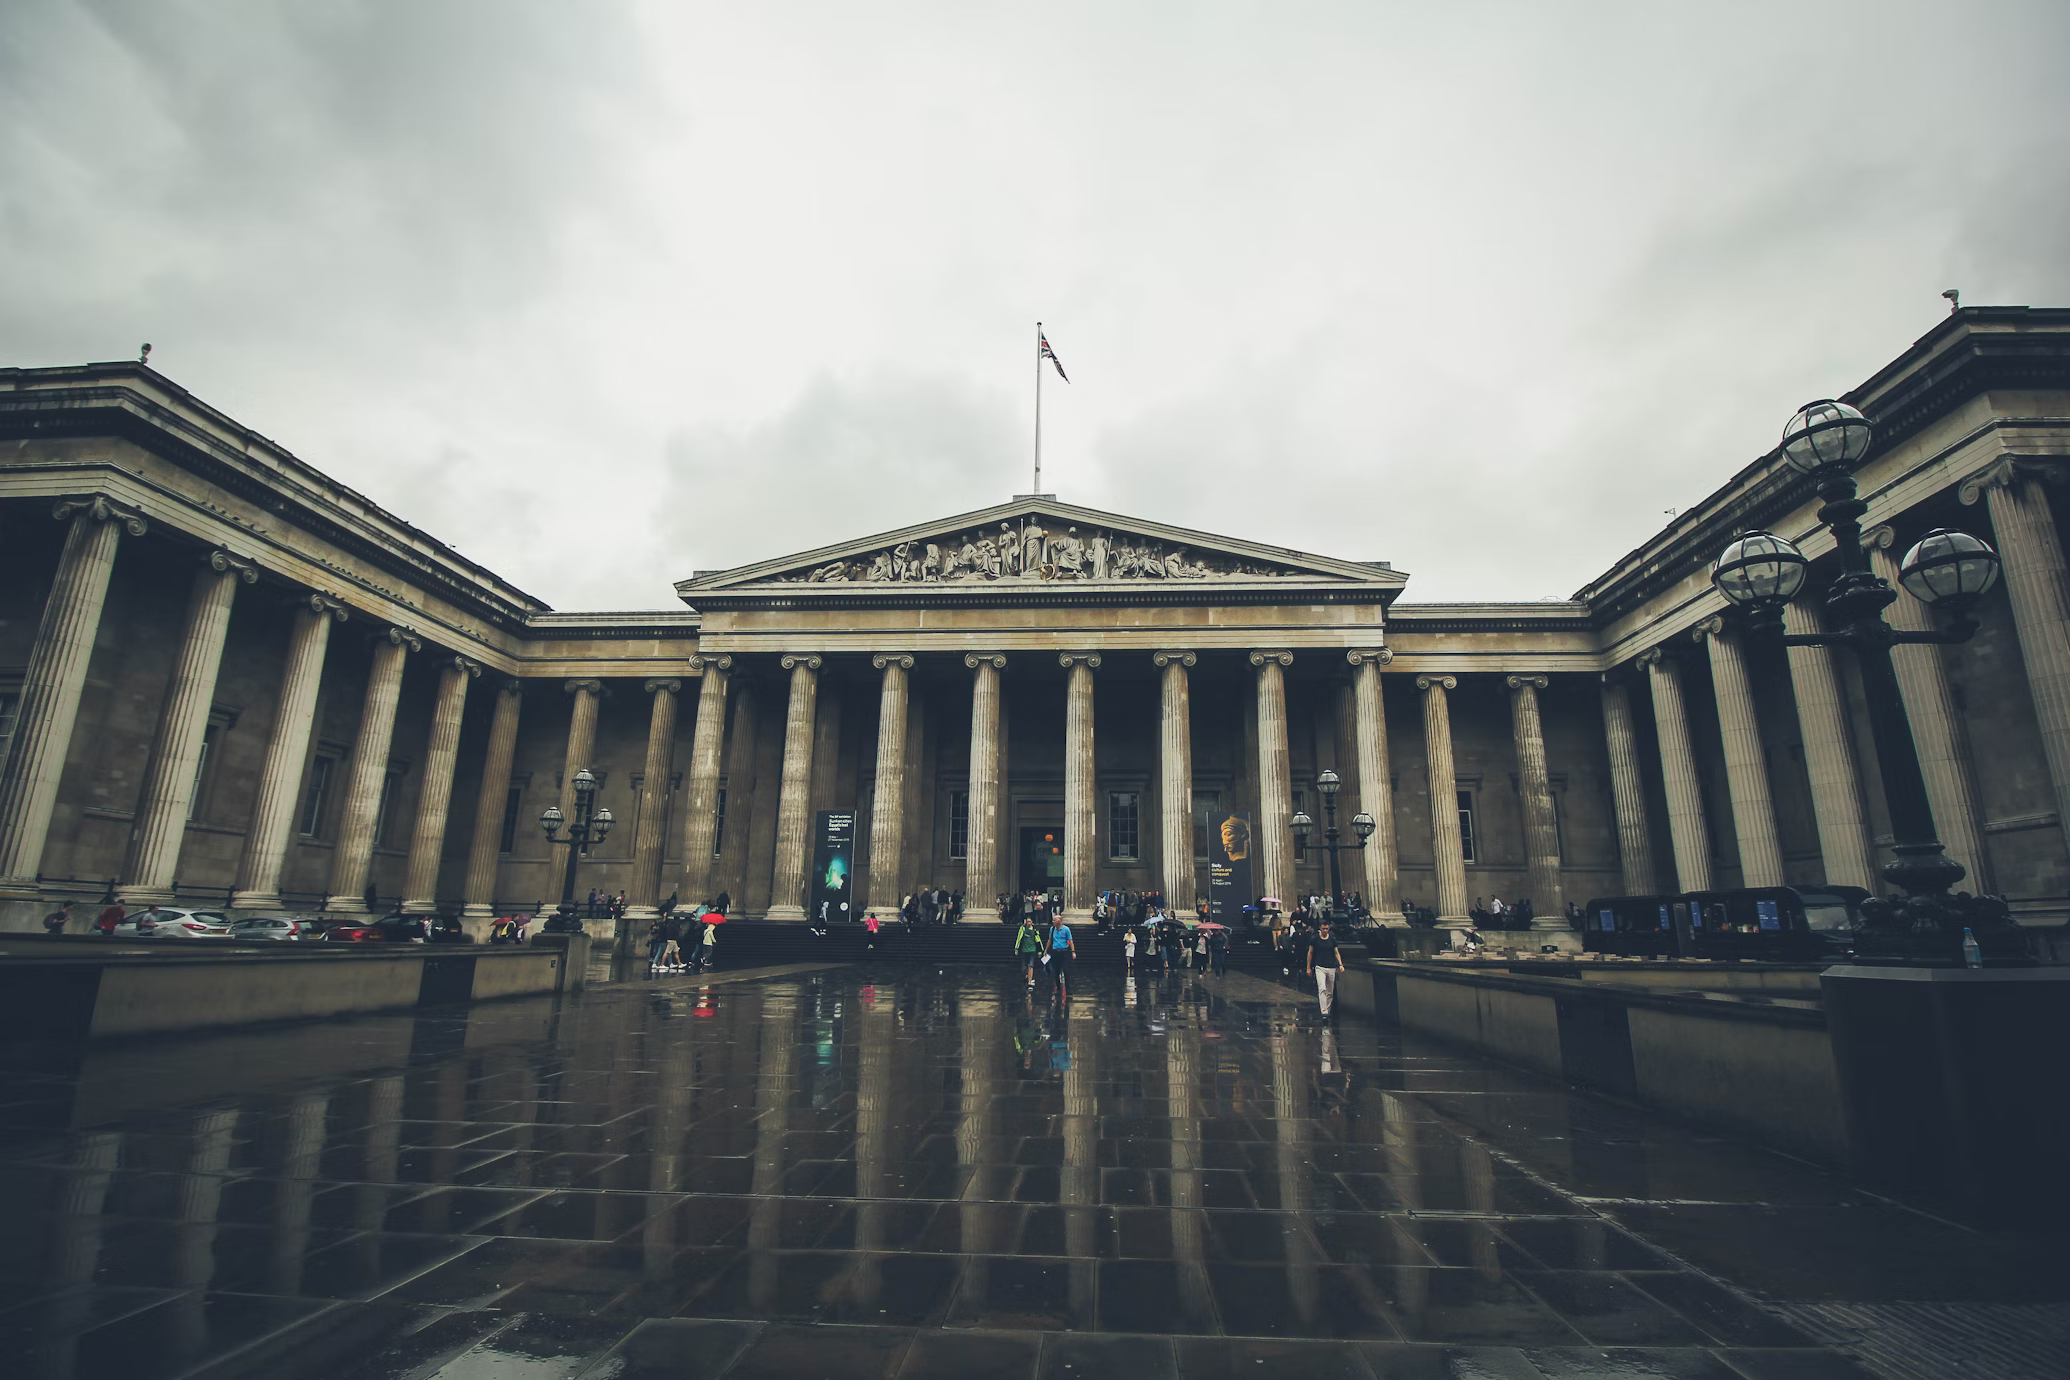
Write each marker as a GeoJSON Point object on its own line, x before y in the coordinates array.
{"type": "Point", "coordinates": [1030, 542]}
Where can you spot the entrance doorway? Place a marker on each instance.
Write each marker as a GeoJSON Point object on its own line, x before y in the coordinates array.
{"type": "Point", "coordinates": [1042, 858]}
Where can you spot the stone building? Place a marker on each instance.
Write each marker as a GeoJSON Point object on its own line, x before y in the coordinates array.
{"type": "Point", "coordinates": [225, 677]}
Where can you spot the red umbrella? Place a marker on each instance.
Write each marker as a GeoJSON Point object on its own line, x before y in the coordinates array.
{"type": "Point", "coordinates": [712, 917]}
{"type": "Point", "coordinates": [1210, 925]}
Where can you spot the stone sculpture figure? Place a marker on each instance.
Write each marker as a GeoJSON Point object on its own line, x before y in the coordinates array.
{"type": "Point", "coordinates": [880, 566]}
{"type": "Point", "coordinates": [931, 564]}
{"type": "Point", "coordinates": [987, 557]}
{"type": "Point", "coordinates": [1009, 550]}
{"type": "Point", "coordinates": [1067, 554]}
{"type": "Point", "coordinates": [1096, 554]}
{"type": "Point", "coordinates": [1034, 547]}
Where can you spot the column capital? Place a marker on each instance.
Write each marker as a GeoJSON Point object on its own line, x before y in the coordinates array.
{"type": "Point", "coordinates": [1281, 655]}
{"type": "Point", "coordinates": [1437, 682]}
{"type": "Point", "coordinates": [720, 661]}
{"type": "Point", "coordinates": [102, 508]}
{"type": "Point", "coordinates": [976, 659]}
{"type": "Point", "coordinates": [1088, 659]}
{"type": "Point", "coordinates": [668, 683]}
{"type": "Point", "coordinates": [811, 661]}
{"type": "Point", "coordinates": [903, 660]}
{"type": "Point", "coordinates": [321, 604]}
{"type": "Point", "coordinates": [1536, 682]}
{"type": "Point", "coordinates": [401, 637]}
{"type": "Point", "coordinates": [225, 563]}
{"type": "Point", "coordinates": [1654, 658]}
{"type": "Point", "coordinates": [1163, 659]}
{"type": "Point", "coordinates": [1379, 656]}
{"type": "Point", "coordinates": [1881, 537]}
{"type": "Point", "coordinates": [2007, 471]}
{"type": "Point", "coordinates": [512, 687]}
{"type": "Point", "coordinates": [1712, 627]}
{"type": "Point", "coordinates": [581, 683]}
{"type": "Point", "coordinates": [466, 667]}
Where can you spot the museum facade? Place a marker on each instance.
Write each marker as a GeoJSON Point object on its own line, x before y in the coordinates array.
{"type": "Point", "coordinates": [226, 679]}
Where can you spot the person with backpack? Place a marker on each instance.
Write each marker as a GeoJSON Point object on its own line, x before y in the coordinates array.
{"type": "Point", "coordinates": [1027, 945]}
{"type": "Point", "coordinates": [657, 940]}
{"type": "Point", "coordinates": [55, 922]}
{"type": "Point", "coordinates": [1062, 949]}
{"type": "Point", "coordinates": [1218, 950]}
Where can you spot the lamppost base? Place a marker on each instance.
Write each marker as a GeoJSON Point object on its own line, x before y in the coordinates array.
{"type": "Point", "coordinates": [1926, 931]}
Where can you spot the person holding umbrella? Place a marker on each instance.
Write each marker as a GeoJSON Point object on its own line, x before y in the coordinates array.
{"type": "Point", "coordinates": [1218, 947]}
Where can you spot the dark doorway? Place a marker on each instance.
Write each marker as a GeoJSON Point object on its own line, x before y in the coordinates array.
{"type": "Point", "coordinates": [1042, 858]}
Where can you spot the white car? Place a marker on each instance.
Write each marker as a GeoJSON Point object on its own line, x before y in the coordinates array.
{"type": "Point", "coordinates": [284, 927]}
{"type": "Point", "coordinates": [169, 923]}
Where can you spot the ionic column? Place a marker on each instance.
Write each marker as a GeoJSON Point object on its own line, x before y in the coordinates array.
{"type": "Point", "coordinates": [287, 751]}
{"type": "Point", "coordinates": [1175, 755]}
{"type": "Point", "coordinates": [887, 806]}
{"type": "Point", "coordinates": [2038, 588]}
{"type": "Point", "coordinates": [1678, 773]}
{"type": "Point", "coordinates": [1081, 813]}
{"type": "Point", "coordinates": [1938, 730]}
{"type": "Point", "coordinates": [435, 798]}
{"type": "Point", "coordinates": [794, 795]}
{"type": "Point", "coordinates": [661, 742]}
{"type": "Point", "coordinates": [1375, 786]}
{"type": "Point", "coordinates": [1836, 793]}
{"type": "Point", "coordinates": [490, 802]}
{"type": "Point", "coordinates": [1746, 765]}
{"type": "Point", "coordinates": [981, 870]}
{"type": "Point", "coordinates": [168, 794]}
{"type": "Point", "coordinates": [1275, 841]}
{"type": "Point", "coordinates": [730, 867]}
{"type": "Point", "coordinates": [1534, 785]}
{"type": "Point", "coordinates": [701, 791]}
{"type": "Point", "coordinates": [355, 851]}
{"type": "Point", "coordinates": [1627, 792]}
{"type": "Point", "coordinates": [1448, 850]}
{"type": "Point", "coordinates": [51, 687]}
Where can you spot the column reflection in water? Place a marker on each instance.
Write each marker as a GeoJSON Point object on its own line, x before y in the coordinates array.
{"type": "Point", "coordinates": [383, 1137]}
{"type": "Point", "coordinates": [1290, 1106]}
{"type": "Point", "coordinates": [448, 1117]}
{"type": "Point", "coordinates": [301, 1162]}
{"type": "Point", "coordinates": [1398, 1138]}
{"type": "Point", "coordinates": [772, 1124]}
{"type": "Point", "coordinates": [672, 1098]}
{"type": "Point", "coordinates": [201, 1199]}
{"type": "Point", "coordinates": [1080, 1179]}
{"type": "Point", "coordinates": [872, 1141]}
{"type": "Point", "coordinates": [1477, 1169]}
{"type": "Point", "coordinates": [1189, 1225]}
{"type": "Point", "coordinates": [75, 1253]}
{"type": "Point", "coordinates": [981, 1015]}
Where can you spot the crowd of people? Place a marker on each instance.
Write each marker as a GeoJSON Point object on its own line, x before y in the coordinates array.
{"type": "Point", "coordinates": [686, 940]}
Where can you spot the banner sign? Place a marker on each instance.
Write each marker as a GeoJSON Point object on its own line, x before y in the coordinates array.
{"type": "Point", "coordinates": [1229, 867]}
{"type": "Point", "coordinates": [833, 863]}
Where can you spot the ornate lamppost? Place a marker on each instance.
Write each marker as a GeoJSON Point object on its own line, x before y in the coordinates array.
{"type": "Point", "coordinates": [1327, 786]}
{"type": "Point", "coordinates": [1761, 572]}
{"type": "Point", "coordinates": [590, 825]}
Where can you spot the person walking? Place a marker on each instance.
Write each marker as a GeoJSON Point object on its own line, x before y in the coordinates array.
{"type": "Point", "coordinates": [1218, 950]}
{"type": "Point", "coordinates": [1062, 949]}
{"type": "Point", "coordinates": [1323, 965]}
{"type": "Point", "coordinates": [55, 922]}
{"type": "Point", "coordinates": [708, 948]}
{"type": "Point", "coordinates": [657, 940]}
{"type": "Point", "coordinates": [1028, 945]}
{"type": "Point", "coordinates": [671, 954]}
{"type": "Point", "coordinates": [871, 925]}
{"type": "Point", "coordinates": [1128, 950]}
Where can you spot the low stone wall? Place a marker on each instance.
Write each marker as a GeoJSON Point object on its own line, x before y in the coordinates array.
{"type": "Point", "coordinates": [1754, 1066]}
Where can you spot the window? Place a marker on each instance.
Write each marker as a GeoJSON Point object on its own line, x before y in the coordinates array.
{"type": "Point", "coordinates": [1124, 815]}
{"type": "Point", "coordinates": [513, 801]}
{"type": "Point", "coordinates": [719, 824]}
{"type": "Point", "coordinates": [385, 813]}
{"type": "Point", "coordinates": [1467, 839]}
{"type": "Point", "coordinates": [1205, 805]}
{"type": "Point", "coordinates": [10, 713]}
{"type": "Point", "coordinates": [1300, 848]}
{"type": "Point", "coordinates": [316, 800]}
{"type": "Point", "coordinates": [959, 824]}
{"type": "Point", "coordinates": [201, 763]}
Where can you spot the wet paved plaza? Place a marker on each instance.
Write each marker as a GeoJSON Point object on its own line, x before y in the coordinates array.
{"type": "Point", "coordinates": [836, 1171]}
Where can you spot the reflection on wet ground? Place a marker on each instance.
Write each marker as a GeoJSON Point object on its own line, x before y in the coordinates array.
{"type": "Point", "coordinates": [897, 1173]}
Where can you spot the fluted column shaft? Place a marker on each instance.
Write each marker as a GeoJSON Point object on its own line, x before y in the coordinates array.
{"type": "Point", "coordinates": [435, 798]}
{"type": "Point", "coordinates": [486, 850]}
{"type": "Point", "coordinates": [981, 870]}
{"type": "Point", "coordinates": [168, 794]}
{"type": "Point", "coordinates": [1938, 731]}
{"type": "Point", "coordinates": [287, 751]}
{"type": "Point", "coordinates": [1448, 851]}
{"type": "Point", "coordinates": [730, 867]}
{"type": "Point", "coordinates": [1275, 840]}
{"type": "Point", "coordinates": [1627, 792]}
{"type": "Point", "coordinates": [887, 806]}
{"type": "Point", "coordinates": [644, 897]}
{"type": "Point", "coordinates": [1836, 792]}
{"type": "Point", "coordinates": [368, 772]}
{"type": "Point", "coordinates": [2037, 586]}
{"type": "Point", "coordinates": [585, 698]}
{"type": "Point", "coordinates": [1376, 785]}
{"type": "Point", "coordinates": [701, 791]}
{"type": "Point", "coordinates": [1746, 763]}
{"type": "Point", "coordinates": [1081, 814]}
{"type": "Point", "coordinates": [1678, 775]}
{"type": "Point", "coordinates": [1175, 758]}
{"type": "Point", "coordinates": [52, 685]}
{"type": "Point", "coordinates": [794, 795]}
{"type": "Point", "coordinates": [1534, 785]}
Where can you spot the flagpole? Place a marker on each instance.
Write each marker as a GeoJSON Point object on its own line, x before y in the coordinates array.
{"type": "Point", "coordinates": [1038, 408]}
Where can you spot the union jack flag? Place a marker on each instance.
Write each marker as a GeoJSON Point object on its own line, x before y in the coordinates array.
{"type": "Point", "coordinates": [1051, 355]}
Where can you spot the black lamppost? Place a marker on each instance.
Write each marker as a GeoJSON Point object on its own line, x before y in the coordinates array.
{"type": "Point", "coordinates": [1327, 786]}
{"type": "Point", "coordinates": [589, 826]}
{"type": "Point", "coordinates": [1762, 572]}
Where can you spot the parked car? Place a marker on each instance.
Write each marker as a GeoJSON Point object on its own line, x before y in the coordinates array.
{"type": "Point", "coordinates": [169, 923]}
{"type": "Point", "coordinates": [359, 932]}
{"type": "Point", "coordinates": [280, 927]}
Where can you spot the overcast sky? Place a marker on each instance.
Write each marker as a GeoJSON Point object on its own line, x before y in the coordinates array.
{"type": "Point", "coordinates": [602, 294]}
